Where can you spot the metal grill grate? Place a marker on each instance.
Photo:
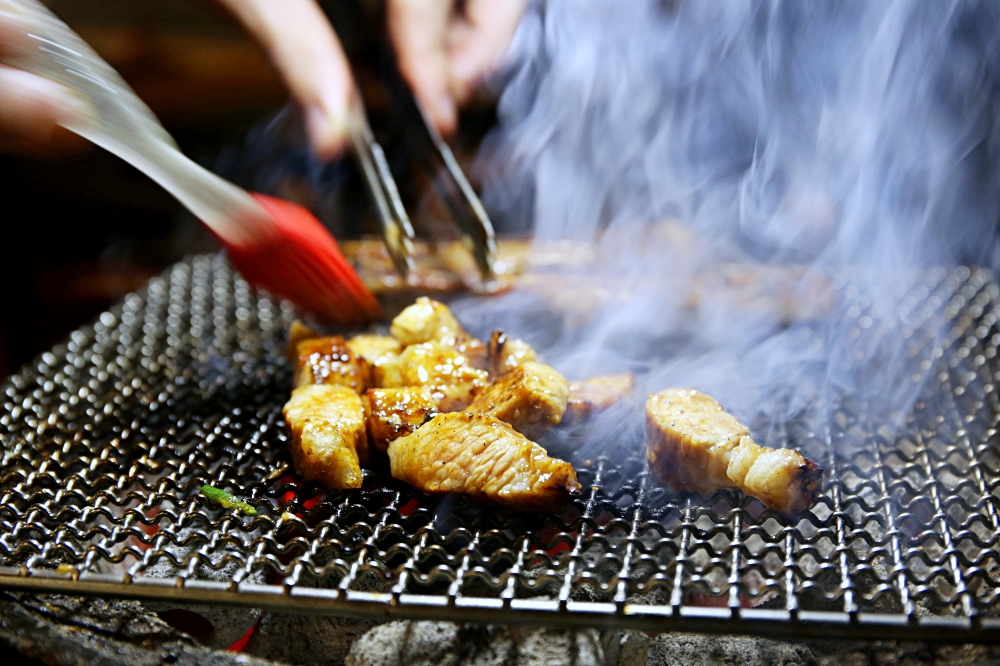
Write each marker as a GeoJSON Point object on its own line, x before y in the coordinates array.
{"type": "Point", "coordinates": [108, 439]}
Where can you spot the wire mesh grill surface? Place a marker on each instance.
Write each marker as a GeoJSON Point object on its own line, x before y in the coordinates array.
{"type": "Point", "coordinates": [108, 439]}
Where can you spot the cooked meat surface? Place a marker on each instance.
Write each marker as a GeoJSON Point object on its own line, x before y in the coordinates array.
{"type": "Point", "coordinates": [392, 413]}
{"type": "Point", "coordinates": [329, 360]}
{"type": "Point", "coordinates": [427, 321]}
{"type": "Point", "coordinates": [329, 443]}
{"type": "Point", "coordinates": [475, 350]}
{"type": "Point", "coordinates": [376, 349]}
{"type": "Point", "coordinates": [452, 380]}
{"type": "Point", "coordinates": [506, 353]}
{"type": "Point", "coordinates": [482, 457]}
{"type": "Point", "coordinates": [531, 398]}
{"type": "Point", "coordinates": [696, 446]}
{"type": "Point", "coordinates": [595, 394]}
{"type": "Point", "coordinates": [298, 332]}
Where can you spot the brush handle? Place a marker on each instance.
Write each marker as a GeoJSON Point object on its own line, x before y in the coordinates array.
{"type": "Point", "coordinates": [122, 124]}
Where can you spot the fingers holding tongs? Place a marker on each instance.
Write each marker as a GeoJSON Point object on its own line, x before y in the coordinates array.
{"type": "Point", "coordinates": [433, 155]}
{"type": "Point", "coordinates": [396, 227]}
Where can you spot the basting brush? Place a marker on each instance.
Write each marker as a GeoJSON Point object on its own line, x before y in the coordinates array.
{"type": "Point", "coordinates": [275, 244]}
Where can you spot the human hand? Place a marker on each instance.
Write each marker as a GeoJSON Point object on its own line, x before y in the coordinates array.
{"type": "Point", "coordinates": [441, 52]}
{"type": "Point", "coordinates": [32, 107]}
{"type": "Point", "coordinates": [444, 53]}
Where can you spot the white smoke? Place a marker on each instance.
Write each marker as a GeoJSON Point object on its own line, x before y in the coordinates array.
{"type": "Point", "coordinates": [849, 139]}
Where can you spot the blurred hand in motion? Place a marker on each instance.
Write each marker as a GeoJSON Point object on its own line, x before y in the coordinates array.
{"type": "Point", "coordinates": [32, 107]}
{"type": "Point", "coordinates": [444, 48]}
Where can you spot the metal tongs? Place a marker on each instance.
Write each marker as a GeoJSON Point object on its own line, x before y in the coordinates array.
{"type": "Point", "coordinates": [450, 183]}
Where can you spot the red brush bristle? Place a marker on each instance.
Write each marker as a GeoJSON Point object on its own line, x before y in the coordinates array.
{"type": "Point", "coordinates": [302, 263]}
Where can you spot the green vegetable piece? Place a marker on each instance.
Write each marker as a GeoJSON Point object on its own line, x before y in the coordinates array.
{"type": "Point", "coordinates": [227, 500]}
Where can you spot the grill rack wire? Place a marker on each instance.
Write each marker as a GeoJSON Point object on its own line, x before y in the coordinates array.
{"type": "Point", "coordinates": [108, 438]}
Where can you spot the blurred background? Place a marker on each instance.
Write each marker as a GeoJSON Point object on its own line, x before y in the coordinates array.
{"type": "Point", "coordinates": [84, 231]}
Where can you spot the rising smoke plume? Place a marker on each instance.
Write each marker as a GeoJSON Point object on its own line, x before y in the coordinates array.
{"type": "Point", "coordinates": [856, 141]}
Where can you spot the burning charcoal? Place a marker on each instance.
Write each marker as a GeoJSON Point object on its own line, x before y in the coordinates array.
{"type": "Point", "coordinates": [329, 443]}
{"type": "Point", "coordinates": [700, 650]}
{"type": "Point", "coordinates": [58, 629]}
{"type": "Point", "coordinates": [216, 626]}
{"type": "Point", "coordinates": [696, 446]}
{"type": "Point", "coordinates": [306, 640]}
{"type": "Point", "coordinates": [330, 360]}
{"type": "Point", "coordinates": [531, 398]}
{"type": "Point", "coordinates": [406, 643]}
{"type": "Point", "coordinates": [482, 457]}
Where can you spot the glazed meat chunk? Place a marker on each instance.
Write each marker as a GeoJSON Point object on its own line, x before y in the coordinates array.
{"type": "Point", "coordinates": [482, 457]}
{"type": "Point", "coordinates": [392, 413]}
{"type": "Point", "coordinates": [427, 321]}
{"type": "Point", "coordinates": [505, 353]}
{"type": "Point", "coordinates": [375, 349]}
{"type": "Point", "coordinates": [329, 444]}
{"type": "Point", "coordinates": [298, 332]}
{"type": "Point", "coordinates": [452, 380]}
{"type": "Point", "coordinates": [329, 360]}
{"type": "Point", "coordinates": [696, 446]}
{"type": "Point", "coordinates": [531, 398]}
{"type": "Point", "coordinates": [596, 394]}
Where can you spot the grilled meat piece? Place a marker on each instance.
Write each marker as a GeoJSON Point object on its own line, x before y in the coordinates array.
{"type": "Point", "coordinates": [531, 398]}
{"type": "Point", "coordinates": [430, 321]}
{"type": "Point", "coordinates": [298, 332]}
{"type": "Point", "coordinates": [696, 446]}
{"type": "Point", "coordinates": [392, 413]}
{"type": "Point", "coordinates": [427, 321]}
{"type": "Point", "coordinates": [474, 350]}
{"type": "Point", "coordinates": [595, 394]}
{"type": "Point", "coordinates": [505, 353]}
{"type": "Point", "coordinates": [482, 457]}
{"type": "Point", "coordinates": [329, 443]}
{"type": "Point", "coordinates": [376, 349]}
{"type": "Point", "coordinates": [329, 360]}
{"type": "Point", "coordinates": [452, 380]}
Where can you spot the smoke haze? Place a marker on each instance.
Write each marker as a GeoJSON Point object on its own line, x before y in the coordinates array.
{"type": "Point", "coordinates": [850, 145]}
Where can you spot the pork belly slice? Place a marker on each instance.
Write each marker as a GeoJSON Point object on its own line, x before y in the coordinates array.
{"type": "Point", "coordinates": [505, 353]}
{"type": "Point", "coordinates": [329, 360]}
{"type": "Point", "coordinates": [392, 413]}
{"type": "Point", "coordinates": [375, 349]}
{"type": "Point", "coordinates": [427, 320]}
{"type": "Point", "coordinates": [482, 457]}
{"type": "Point", "coordinates": [696, 446]}
{"type": "Point", "coordinates": [329, 443]}
{"type": "Point", "coordinates": [531, 398]}
{"type": "Point", "coordinates": [596, 394]}
{"type": "Point", "coordinates": [452, 380]}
